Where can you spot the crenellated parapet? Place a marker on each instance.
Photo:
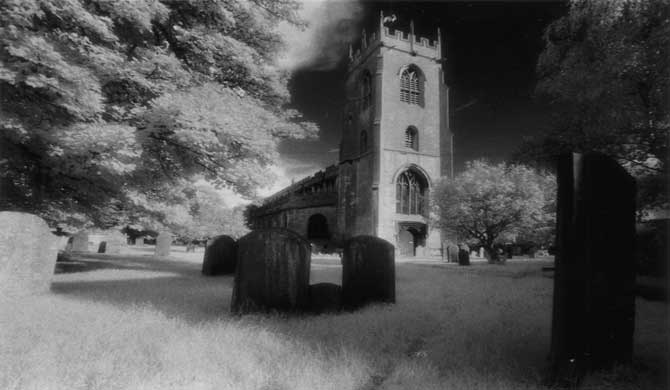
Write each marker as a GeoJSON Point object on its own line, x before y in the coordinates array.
{"type": "Point", "coordinates": [396, 39]}
{"type": "Point", "coordinates": [315, 190]}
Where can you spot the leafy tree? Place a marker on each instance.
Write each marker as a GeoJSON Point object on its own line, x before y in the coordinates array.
{"type": "Point", "coordinates": [606, 71]}
{"type": "Point", "coordinates": [488, 203]}
{"type": "Point", "coordinates": [104, 100]}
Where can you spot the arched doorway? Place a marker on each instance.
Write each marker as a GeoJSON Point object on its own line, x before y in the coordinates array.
{"type": "Point", "coordinates": [317, 227]}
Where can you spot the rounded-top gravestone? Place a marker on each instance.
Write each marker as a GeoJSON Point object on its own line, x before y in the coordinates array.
{"type": "Point", "coordinates": [450, 252]}
{"type": "Point", "coordinates": [368, 271]}
{"type": "Point", "coordinates": [163, 243]}
{"type": "Point", "coordinates": [80, 242]}
{"type": "Point", "coordinates": [220, 256]}
{"type": "Point", "coordinates": [28, 253]}
{"type": "Point", "coordinates": [272, 272]}
{"type": "Point", "coordinates": [113, 243]}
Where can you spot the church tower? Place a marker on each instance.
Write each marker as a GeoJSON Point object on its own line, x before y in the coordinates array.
{"type": "Point", "coordinates": [396, 141]}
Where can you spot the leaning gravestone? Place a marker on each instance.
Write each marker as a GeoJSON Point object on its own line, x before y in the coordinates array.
{"type": "Point", "coordinates": [102, 247]}
{"type": "Point", "coordinates": [594, 281]}
{"type": "Point", "coordinates": [368, 271]}
{"type": "Point", "coordinates": [80, 242]}
{"type": "Point", "coordinates": [272, 272]}
{"type": "Point", "coordinates": [163, 243]}
{"type": "Point", "coordinates": [220, 256]}
{"type": "Point", "coordinates": [28, 253]}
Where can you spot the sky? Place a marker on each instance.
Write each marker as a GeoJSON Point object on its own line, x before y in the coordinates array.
{"type": "Point", "coordinates": [490, 48]}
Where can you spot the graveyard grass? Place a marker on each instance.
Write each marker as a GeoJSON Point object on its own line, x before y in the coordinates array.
{"type": "Point", "coordinates": [132, 322]}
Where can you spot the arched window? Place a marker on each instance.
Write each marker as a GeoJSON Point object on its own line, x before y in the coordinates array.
{"type": "Point", "coordinates": [366, 90]}
{"type": "Point", "coordinates": [410, 86]}
{"type": "Point", "coordinates": [364, 141]}
{"type": "Point", "coordinates": [410, 193]}
{"type": "Point", "coordinates": [412, 138]}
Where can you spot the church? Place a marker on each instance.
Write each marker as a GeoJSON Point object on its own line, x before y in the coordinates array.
{"type": "Point", "coordinates": [396, 143]}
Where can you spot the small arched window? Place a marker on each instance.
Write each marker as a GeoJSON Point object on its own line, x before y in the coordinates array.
{"type": "Point", "coordinates": [364, 141]}
{"type": "Point", "coordinates": [410, 86]}
{"type": "Point", "coordinates": [412, 138]}
{"type": "Point", "coordinates": [410, 193]}
{"type": "Point", "coordinates": [366, 90]}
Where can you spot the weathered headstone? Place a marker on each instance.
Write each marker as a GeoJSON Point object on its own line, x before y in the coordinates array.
{"type": "Point", "coordinates": [114, 241]}
{"type": "Point", "coordinates": [102, 246]}
{"type": "Point", "coordinates": [220, 256]}
{"type": "Point", "coordinates": [163, 243]}
{"type": "Point", "coordinates": [368, 271]}
{"type": "Point", "coordinates": [325, 297]}
{"type": "Point", "coordinates": [463, 255]}
{"type": "Point", "coordinates": [28, 253]}
{"type": "Point", "coordinates": [272, 272]}
{"type": "Point", "coordinates": [450, 252]}
{"type": "Point", "coordinates": [481, 252]}
{"type": "Point", "coordinates": [80, 242]}
{"type": "Point", "coordinates": [594, 282]}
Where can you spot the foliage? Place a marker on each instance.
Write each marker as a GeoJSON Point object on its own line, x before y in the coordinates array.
{"type": "Point", "coordinates": [105, 99]}
{"type": "Point", "coordinates": [605, 69]}
{"type": "Point", "coordinates": [490, 203]}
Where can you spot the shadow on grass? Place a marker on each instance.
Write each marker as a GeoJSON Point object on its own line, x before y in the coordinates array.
{"type": "Point", "coordinates": [176, 288]}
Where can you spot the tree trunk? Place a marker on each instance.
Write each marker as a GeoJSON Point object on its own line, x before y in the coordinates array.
{"type": "Point", "coordinates": [491, 254]}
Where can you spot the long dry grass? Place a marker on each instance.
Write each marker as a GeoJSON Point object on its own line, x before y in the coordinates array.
{"type": "Point", "coordinates": [133, 322]}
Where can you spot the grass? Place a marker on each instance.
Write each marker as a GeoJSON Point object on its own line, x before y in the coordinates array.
{"type": "Point", "coordinates": [133, 322]}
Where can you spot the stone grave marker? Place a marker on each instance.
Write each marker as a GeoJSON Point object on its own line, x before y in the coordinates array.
{"type": "Point", "coordinates": [463, 255]}
{"type": "Point", "coordinates": [272, 272]}
{"type": "Point", "coordinates": [325, 297]}
{"type": "Point", "coordinates": [481, 252]}
{"type": "Point", "coordinates": [594, 281]}
{"type": "Point", "coordinates": [368, 271]}
{"type": "Point", "coordinates": [80, 242]}
{"type": "Point", "coordinates": [163, 244]}
{"type": "Point", "coordinates": [28, 253]}
{"type": "Point", "coordinates": [220, 256]}
{"type": "Point", "coordinates": [450, 252]}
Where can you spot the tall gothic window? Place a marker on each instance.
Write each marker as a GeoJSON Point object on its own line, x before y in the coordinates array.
{"type": "Point", "coordinates": [366, 90]}
{"type": "Point", "coordinates": [410, 86]}
{"type": "Point", "coordinates": [412, 138]}
{"type": "Point", "coordinates": [364, 141]}
{"type": "Point", "coordinates": [410, 191]}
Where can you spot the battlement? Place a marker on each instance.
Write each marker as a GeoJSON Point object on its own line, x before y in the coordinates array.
{"type": "Point", "coordinates": [395, 38]}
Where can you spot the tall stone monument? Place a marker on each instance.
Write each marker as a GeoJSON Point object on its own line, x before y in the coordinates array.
{"type": "Point", "coordinates": [594, 283]}
{"type": "Point", "coordinates": [27, 254]}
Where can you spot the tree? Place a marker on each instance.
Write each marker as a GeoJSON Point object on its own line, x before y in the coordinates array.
{"type": "Point", "coordinates": [103, 100]}
{"type": "Point", "coordinates": [605, 70]}
{"type": "Point", "coordinates": [488, 203]}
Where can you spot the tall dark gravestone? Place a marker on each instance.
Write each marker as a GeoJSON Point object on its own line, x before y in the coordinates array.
{"type": "Point", "coordinates": [272, 272]}
{"type": "Point", "coordinates": [368, 271]}
{"type": "Point", "coordinates": [594, 282]}
{"type": "Point", "coordinates": [220, 256]}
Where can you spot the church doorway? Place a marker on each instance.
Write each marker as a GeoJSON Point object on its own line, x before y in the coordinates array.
{"type": "Point", "coordinates": [411, 239]}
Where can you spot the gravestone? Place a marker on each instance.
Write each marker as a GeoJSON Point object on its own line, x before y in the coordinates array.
{"type": "Point", "coordinates": [28, 253]}
{"type": "Point", "coordinates": [114, 242]}
{"type": "Point", "coordinates": [325, 297]}
{"type": "Point", "coordinates": [220, 256]}
{"type": "Point", "coordinates": [368, 271]}
{"type": "Point", "coordinates": [163, 243]}
{"type": "Point", "coordinates": [481, 252]}
{"type": "Point", "coordinates": [450, 252]}
{"type": "Point", "coordinates": [463, 255]}
{"type": "Point", "coordinates": [102, 247]}
{"type": "Point", "coordinates": [594, 282]}
{"type": "Point", "coordinates": [272, 272]}
{"type": "Point", "coordinates": [80, 242]}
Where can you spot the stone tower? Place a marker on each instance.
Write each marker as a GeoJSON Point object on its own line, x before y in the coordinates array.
{"type": "Point", "coordinates": [396, 140]}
